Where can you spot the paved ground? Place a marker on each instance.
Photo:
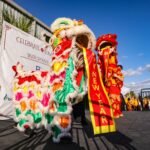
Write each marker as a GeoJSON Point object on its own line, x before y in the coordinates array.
{"type": "Point", "coordinates": [133, 134]}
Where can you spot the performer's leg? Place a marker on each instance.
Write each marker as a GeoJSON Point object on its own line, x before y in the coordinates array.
{"type": "Point", "coordinates": [79, 111]}
{"type": "Point", "coordinates": [83, 118]}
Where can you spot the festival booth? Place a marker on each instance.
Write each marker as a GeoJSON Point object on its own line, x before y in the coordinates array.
{"type": "Point", "coordinates": [18, 46]}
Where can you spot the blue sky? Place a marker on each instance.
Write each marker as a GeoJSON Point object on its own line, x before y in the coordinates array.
{"type": "Point", "coordinates": [129, 19]}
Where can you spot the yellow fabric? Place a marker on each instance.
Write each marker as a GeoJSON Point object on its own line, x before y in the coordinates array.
{"type": "Point", "coordinates": [57, 66]}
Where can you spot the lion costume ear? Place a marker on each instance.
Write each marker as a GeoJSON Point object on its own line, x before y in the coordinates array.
{"type": "Point", "coordinates": [61, 23]}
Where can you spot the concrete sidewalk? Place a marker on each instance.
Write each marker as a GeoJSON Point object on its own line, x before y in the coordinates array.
{"type": "Point", "coordinates": [133, 133]}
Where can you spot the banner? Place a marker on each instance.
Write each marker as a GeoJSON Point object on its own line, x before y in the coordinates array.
{"type": "Point", "coordinates": [18, 46]}
{"type": "Point", "coordinates": [100, 109]}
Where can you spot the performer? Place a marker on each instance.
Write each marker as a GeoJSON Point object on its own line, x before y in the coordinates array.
{"type": "Point", "coordinates": [45, 98]}
{"type": "Point", "coordinates": [111, 72]}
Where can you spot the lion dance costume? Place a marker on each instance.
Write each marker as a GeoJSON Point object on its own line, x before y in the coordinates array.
{"type": "Point", "coordinates": [111, 72]}
{"type": "Point", "coordinates": [45, 98]}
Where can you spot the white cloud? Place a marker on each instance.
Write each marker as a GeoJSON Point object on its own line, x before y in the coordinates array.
{"type": "Point", "coordinates": [147, 67]}
{"type": "Point", "coordinates": [125, 90]}
{"type": "Point", "coordinates": [138, 71]}
{"type": "Point", "coordinates": [137, 86]}
{"type": "Point", "coordinates": [124, 57]}
{"type": "Point", "coordinates": [140, 54]}
{"type": "Point", "coordinates": [131, 72]}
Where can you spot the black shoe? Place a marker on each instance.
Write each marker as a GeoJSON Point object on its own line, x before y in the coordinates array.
{"type": "Point", "coordinates": [28, 132]}
{"type": "Point", "coordinates": [84, 122]}
{"type": "Point", "coordinates": [66, 139]}
{"type": "Point", "coordinates": [15, 125]}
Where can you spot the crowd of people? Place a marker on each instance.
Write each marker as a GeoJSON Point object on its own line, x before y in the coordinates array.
{"type": "Point", "coordinates": [136, 104]}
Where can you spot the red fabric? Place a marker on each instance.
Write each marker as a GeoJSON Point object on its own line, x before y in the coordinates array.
{"type": "Point", "coordinates": [28, 78]}
{"type": "Point", "coordinates": [26, 126]}
{"type": "Point", "coordinates": [44, 73]}
{"type": "Point", "coordinates": [114, 90]}
{"type": "Point", "coordinates": [79, 76]}
{"type": "Point", "coordinates": [116, 105]}
{"type": "Point", "coordinates": [97, 93]}
{"type": "Point", "coordinates": [63, 46]}
{"type": "Point", "coordinates": [108, 38]}
{"type": "Point", "coordinates": [15, 70]}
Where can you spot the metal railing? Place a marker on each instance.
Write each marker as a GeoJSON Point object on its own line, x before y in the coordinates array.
{"type": "Point", "coordinates": [37, 29]}
{"type": "Point", "coordinates": [145, 92]}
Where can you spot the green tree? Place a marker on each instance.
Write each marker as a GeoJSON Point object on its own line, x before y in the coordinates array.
{"type": "Point", "coordinates": [130, 94]}
{"type": "Point", "coordinates": [22, 22]}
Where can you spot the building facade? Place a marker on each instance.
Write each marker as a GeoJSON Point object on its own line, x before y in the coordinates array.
{"type": "Point", "coordinates": [9, 10]}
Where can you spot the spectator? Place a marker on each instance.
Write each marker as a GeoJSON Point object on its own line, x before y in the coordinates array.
{"type": "Point", "coordinates": [123, 104]}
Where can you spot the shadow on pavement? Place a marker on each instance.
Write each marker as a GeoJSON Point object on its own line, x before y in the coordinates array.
{"type": "Point", "coordinates": [65, 145]}
{"type": "Point", "coordinates": [83, 139]}
{"type": "Point", "coordinates": [117, 139]}
{"type": "Point", "coordinates": [7, 131]}
{"type": "Point", "coordinates": [30, 143]}
{"type": "Point", "coordinates": [39, 141]}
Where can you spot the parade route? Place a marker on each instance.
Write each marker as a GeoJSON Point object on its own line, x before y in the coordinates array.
{"type": "Point", "coordinates": [132, 134]}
